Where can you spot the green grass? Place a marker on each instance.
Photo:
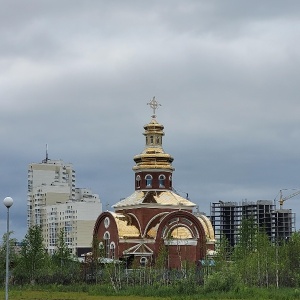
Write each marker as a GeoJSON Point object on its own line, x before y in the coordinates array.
{"type": "Point", "coordinates": [100, 292]}
{"type": "Point", "coordinates": [43, 295]}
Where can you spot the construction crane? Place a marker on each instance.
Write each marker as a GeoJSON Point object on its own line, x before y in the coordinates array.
{"type": "Point", "coordinates": [283, 199]}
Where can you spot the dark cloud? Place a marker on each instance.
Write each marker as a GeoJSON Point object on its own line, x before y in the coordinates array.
{"type": "Point", "coordinates": [78, 76]}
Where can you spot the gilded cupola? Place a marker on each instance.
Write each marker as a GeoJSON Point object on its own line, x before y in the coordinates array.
{"type": "Point", "coordinates": [153, 169]}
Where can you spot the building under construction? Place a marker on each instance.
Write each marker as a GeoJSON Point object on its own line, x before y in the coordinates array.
{"type": "Point", "coordinates": [226, 218]}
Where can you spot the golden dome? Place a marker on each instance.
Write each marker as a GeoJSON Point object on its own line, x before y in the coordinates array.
{"type": "Point", "coordinates": [153, 156]}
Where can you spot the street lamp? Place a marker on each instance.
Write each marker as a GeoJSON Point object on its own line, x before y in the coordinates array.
{"type": "Point", "coordinates": [8, 202]}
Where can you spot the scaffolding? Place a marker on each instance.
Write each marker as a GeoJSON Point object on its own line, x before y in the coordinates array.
{"type": "Point", "coordinates": [226, 218]}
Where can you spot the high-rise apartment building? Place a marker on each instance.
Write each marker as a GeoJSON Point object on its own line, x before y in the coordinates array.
{"type": "Point", "coordinates": [49, 182]}
{"type": "Point", "coordinates": [54, 203]}
{"type": "Point", "coordinates": [76, 218]}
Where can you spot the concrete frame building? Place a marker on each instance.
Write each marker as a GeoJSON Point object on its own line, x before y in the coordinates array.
{"type": "Point", "coordinates": [226, 218]}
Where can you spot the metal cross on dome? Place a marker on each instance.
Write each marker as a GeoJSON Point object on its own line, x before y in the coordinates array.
{"type": "Point", "coordinates": [154, 105]}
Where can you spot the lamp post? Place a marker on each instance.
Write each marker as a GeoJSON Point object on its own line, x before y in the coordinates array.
{"type": "Point", "coordinates": [8, 202]}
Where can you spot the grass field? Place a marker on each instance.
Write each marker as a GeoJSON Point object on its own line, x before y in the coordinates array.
{"type": "Point", "coordinates": [45, 295]}
{"type": "Point", "coordinates": [98, 292]}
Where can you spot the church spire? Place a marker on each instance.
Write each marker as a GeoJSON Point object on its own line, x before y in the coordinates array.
{"type": "Point", "coordinates": [153, 169]}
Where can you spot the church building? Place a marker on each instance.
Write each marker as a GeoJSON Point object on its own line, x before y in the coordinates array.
{"type": "Point", "coordinates": [154, 219]}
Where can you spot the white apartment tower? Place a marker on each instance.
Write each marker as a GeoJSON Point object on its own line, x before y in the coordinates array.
{"type": "Point", "coordinates": [54, 203]}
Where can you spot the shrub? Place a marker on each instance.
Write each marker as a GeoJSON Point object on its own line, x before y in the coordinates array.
{"type": "Point", "coordinates": [222, 282]}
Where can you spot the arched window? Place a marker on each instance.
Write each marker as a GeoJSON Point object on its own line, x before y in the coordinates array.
{"type": "Point", "coordinates": [106, 222]}
{"type": "Point", "coordinates": [112, 250]}
{"type": "Point", "coordinates": [170, 180]}
{"type": "Point", "coordinates": [143, 261]}
{"type": "Point", "coordinates": [181, 232]}
{"type": "Point", "coordinates": [106, 246]}
{"type": "Point", "coordinates": [151, 139]}
{"type": "Point", "coordinates": [161, 180]}
{"type": "Point", "coordinates": [148, 181]}
{"type": "Point", "coordinates": [157, 140]}
{"type": "Point", "coordinates": [138, 181]}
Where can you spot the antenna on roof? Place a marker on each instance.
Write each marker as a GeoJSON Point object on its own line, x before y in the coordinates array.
{"type": "Point", "coordinates": [46, 159]}
{"type": "Point", "coordinates": [46, 152]}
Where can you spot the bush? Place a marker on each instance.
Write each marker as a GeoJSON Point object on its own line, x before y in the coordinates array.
{"type": "Point", "coordinates": [222, 282]}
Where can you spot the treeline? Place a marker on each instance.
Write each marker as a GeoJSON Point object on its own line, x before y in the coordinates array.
{"type": "Point", "coordinates": [31, 264]}
{"type": "Point", "coordinates": [255, 262]}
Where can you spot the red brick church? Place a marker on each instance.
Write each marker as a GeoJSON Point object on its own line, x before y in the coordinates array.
{"type": "Point", "coordinates": [154, 217]}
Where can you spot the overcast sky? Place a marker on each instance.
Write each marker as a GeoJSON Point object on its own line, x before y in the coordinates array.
{"type": "Point", "coordinates": [77, 75]}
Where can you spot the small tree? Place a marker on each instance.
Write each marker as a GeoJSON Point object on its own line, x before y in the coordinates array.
{"type": "Point", "coordinates": [62, 254]}
{"type": "Point", "coordinates": [66, 268]}
{"type": "Point", "coordinates": [161, 263]}
{"type": "Point", "coordinates": [33, 257]}
{"type": "Point", "coordinates": [289, 258]}
{"type": "Point", "coordinates": [94, 260]}
{"type": "Point", "coordinates": [12, 253]}
{"type": "Point", "coordinates": [223, 253]}
{"type": "Point", "coordinates": [247, 239]}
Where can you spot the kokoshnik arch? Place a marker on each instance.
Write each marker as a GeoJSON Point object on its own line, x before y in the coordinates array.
{"type": "Point", "coordinates": [154, 216]}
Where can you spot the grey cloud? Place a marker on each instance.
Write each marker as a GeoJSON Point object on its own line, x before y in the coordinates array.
{"type": "Point", "coordinates": [78, 77]}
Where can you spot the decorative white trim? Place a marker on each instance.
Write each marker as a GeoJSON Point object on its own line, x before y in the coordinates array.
{"type": "Point", "coordinates": [176, 242]}
{"type": "Point", "coordinates": [106, 222]}
{"type": "Point", "coordinates": [153, 170]}
{"type": "Point", "coordinates": [154, 205]}
{"type": "Point", "coordinates": [134, 250]}
{"type": "Point", "coordinates": [167, 230]}
{"type": "Point", "coordinates": [150, 221]}
{"type": "Point", "coordinates": [106, 233]}
{"type": "Point", "coordinates": [135, 217]}
{"type": "Point", "coordinates": [136, 241]}
{"type": "Point", "coordinates": [143, 260]}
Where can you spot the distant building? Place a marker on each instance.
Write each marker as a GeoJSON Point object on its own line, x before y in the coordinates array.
{"type": "Point", "coordinates": [154, 219]}
{"type": "Point", "coordinates": [227, 217]}
{"type": "Point", "coordinates": [49, 182]}
{"type": "Point", "coordinates": [54, 203]}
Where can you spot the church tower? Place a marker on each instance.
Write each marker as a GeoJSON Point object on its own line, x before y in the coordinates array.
{"type": "Point", "coordinates": [153, 169]}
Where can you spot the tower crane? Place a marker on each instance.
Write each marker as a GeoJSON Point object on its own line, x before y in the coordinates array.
{"type": "Point", "coordinates": [283, 199]}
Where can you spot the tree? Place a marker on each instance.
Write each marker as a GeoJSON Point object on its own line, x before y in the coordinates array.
{"type": "Point", "coordinates": [247, 238]}
{"type": "Point", "coordinates": [62, 254]}
{"type": "Point", "coordinates": [12, 253]}
{"type": "Point", "coordinates": [33, 257]}
{"type": "Point", "coordinates": [223, 253]}
{"type": "Point", "coordinates": [94, 261]}
{"type": "Point", "coordinates": [65, 269]}
{"type": "Point", "coordinates": [244, 251]}
{"type": "Point", "coordinates": [289, 258]}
